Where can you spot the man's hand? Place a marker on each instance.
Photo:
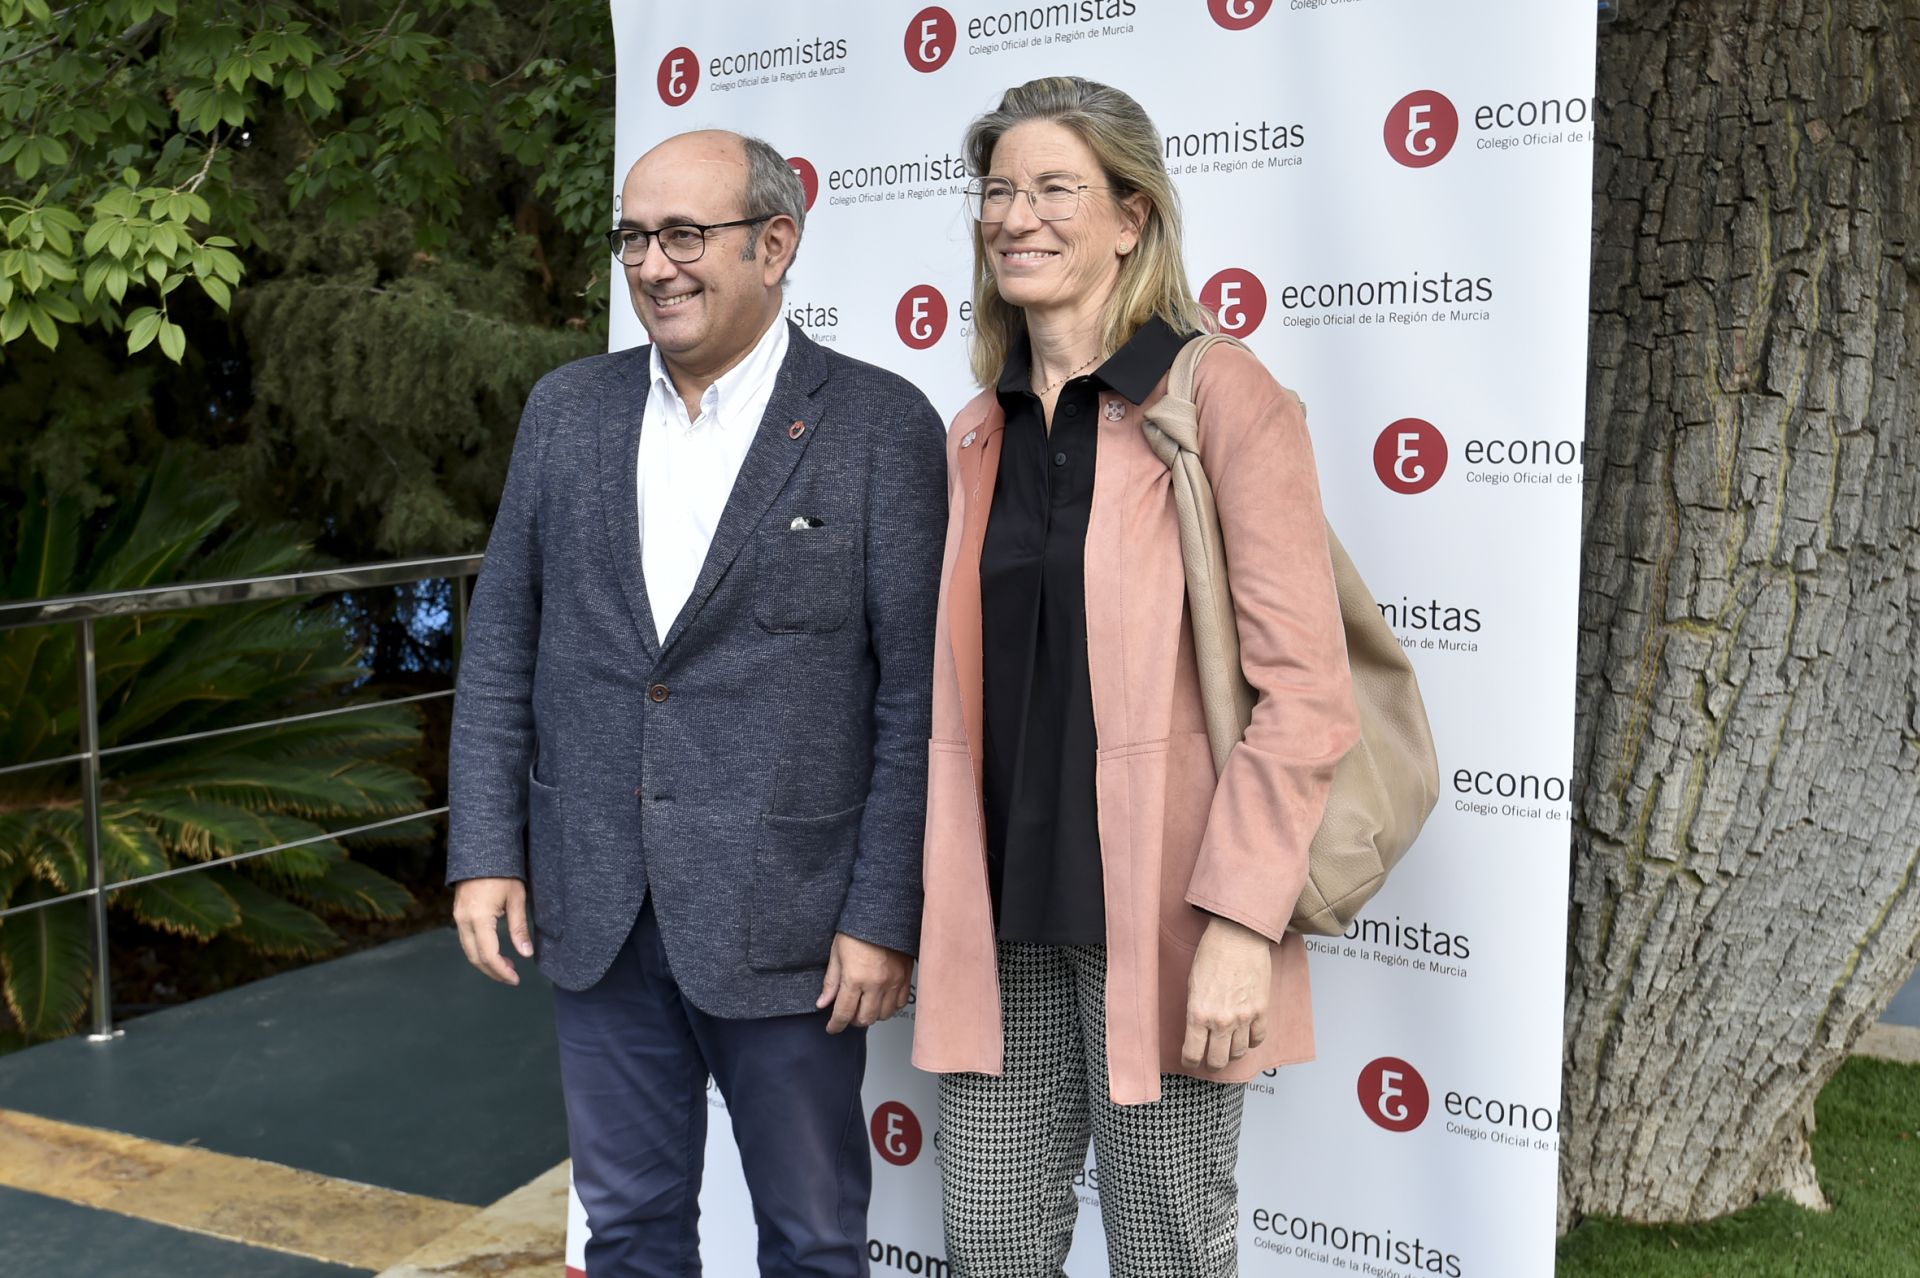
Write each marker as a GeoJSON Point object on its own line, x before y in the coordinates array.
{"type": "Point", "coordinates": [477, 907]}
{"type": "Point", "coordinates": [865, 982]}
{"type": "Point", "coordinates": [1228, 992]}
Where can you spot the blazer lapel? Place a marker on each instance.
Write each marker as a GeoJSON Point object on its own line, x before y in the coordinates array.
{"type": "Point", "coordinates": [771, 457]}
{"type": "Point", "coordinates": [621, 412]}
{"type": "Point", "coordinates": [979, 466]}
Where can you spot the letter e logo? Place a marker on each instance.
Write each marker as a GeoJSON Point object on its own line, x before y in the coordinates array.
{"type": "Point", "coordinates": [896, 1133]}
{"type": "Point", "coordinates": [931, 38]}
{"type": "Point", "coordinates": [1393, 1094]}
{"type": "Point", "coordinates": [1238, 15]}
{"type": "Point", "coordinates": [1421, 129]}
{"type": "Point", "coordinates": [1237, 299]}
{"type": "Point", "coordinates": [679, 76]}
{"type": "Point", "coordinates": [809, 179]}
{"type": "Point", "coordinates": [921, 316]}
{"type": "Point", "coordinates": [1410, 455]}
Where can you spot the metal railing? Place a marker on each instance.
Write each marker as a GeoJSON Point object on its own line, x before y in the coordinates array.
{"type": "Point", "coordinates": [81, 611]}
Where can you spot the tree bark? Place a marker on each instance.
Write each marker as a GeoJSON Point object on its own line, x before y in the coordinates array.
{"type": "Point", "coordinates": [1747, 836]}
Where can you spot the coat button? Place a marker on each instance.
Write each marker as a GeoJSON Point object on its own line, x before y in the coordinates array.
{"type": "Point", "coordinates": [1071, 410]}
{"type": "Point", "coordinates": [658, 692]}
{"type": "Point", "coordinates": [1059, 459]}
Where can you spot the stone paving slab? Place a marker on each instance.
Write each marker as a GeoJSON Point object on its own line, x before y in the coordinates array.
{"type": "Point", "coordinates": [524, 1235]}
{"type": "Point", "coordinates": [399, 1066]}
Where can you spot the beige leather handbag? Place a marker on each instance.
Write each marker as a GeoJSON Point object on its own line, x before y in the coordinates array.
{"type": "Point", "coordinates": [1386, 785]}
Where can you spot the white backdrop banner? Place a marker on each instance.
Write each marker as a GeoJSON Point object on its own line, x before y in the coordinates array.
{"type": "Point", "coordinates": [1390, 199]}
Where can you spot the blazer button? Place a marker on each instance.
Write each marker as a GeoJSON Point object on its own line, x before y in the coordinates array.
{"type": "Point", "coordinates": [658, 692]}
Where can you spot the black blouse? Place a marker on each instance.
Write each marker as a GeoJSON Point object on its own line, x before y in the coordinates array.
{"type": "Point", "coordinates": [1043, 836]}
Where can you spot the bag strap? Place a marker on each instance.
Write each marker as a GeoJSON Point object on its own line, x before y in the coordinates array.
{"type": "Point", "coordinates": [1172, 430]}
{"type": "Point", "coordinates": [1187, 363]}
{"type": "Point", "coordinates": [1173, 423]}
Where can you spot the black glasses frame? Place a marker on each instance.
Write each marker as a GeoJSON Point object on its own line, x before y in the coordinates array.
{"type": "Point", "coordinates": [647, 237]}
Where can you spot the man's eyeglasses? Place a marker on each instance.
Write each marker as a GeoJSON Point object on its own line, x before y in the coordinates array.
{"type": "Point", "coordinates": [682, 242]}
{"type": "Point", "coordinates": [1053, 200]}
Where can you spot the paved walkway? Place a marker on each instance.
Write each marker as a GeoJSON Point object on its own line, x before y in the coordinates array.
{"type": "Point", "coordinates": [258, 1131]}
{"type": "Point", "coordinates": [389, 1113]}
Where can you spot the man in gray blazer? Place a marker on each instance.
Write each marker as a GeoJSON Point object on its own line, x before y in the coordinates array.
{"type": "Point", "coordinates": [688, 765]}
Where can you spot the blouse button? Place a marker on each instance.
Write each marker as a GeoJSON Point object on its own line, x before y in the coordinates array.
{"type": "Point", "coordinates": [1072, 410]}
{"type": "Point", "coordinates": [1059, 459]}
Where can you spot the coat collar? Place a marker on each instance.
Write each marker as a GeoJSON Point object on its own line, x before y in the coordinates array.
{"type": "Point", "coordinates": [1132, 371]}
{"type": "Point", "coordinates": [775, 451]}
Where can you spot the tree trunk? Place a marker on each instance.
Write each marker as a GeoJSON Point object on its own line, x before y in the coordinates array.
{"type": "Point", "coordinates": [1748, 834]}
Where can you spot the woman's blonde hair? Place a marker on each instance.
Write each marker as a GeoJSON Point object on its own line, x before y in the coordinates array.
{"type": "Point", "coordinates": [1153, 278]}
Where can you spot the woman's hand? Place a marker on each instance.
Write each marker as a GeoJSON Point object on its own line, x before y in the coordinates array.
{"type": "Point", "coordinates": [1227, 994]}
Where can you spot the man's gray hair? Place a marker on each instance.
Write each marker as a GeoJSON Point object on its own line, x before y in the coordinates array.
{"type": "Point", "coordinates": [772, 188]}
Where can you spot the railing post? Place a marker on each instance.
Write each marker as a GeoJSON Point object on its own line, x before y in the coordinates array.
{"type": "Point", "coordinates": [103, 1030]}
{"type": "Point", "coordinates": [459, 618]}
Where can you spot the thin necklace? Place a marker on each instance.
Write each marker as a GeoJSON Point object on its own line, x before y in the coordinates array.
{"type": "Point", "coordinates": [1042, 392]}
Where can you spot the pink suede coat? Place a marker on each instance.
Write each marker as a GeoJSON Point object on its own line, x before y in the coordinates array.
{"type": "Point", "coordinates": [1176, 842]}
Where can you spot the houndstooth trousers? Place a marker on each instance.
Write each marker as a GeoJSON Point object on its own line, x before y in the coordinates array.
{"type": "Point", "coordinates": [1011, 1146]}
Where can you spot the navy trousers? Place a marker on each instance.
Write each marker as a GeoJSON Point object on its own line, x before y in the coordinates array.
{"type": "Point", "coordinates": [634, 1061]}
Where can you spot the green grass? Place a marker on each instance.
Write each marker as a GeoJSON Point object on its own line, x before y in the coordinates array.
{"type": "Point", "coordinates": [1866, 1149]}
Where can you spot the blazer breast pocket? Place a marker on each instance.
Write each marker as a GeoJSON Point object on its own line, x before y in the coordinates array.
{"type": "Point", "coordinates": [804, 577]}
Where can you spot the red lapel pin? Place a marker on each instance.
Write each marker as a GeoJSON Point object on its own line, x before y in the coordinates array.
{"type": "Point", "coordinates": [796, 430]}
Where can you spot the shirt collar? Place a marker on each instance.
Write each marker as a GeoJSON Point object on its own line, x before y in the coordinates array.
{"type": "Point", "coordinates": [1132, 371]}
{"type": "Point", "coordinates": [723, 399]}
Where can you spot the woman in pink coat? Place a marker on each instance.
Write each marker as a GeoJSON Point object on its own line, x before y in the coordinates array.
{"type": "Point", "coordinates": [1105, 951]}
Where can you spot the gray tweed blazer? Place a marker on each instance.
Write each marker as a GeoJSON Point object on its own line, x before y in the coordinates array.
{"type": "Point", "coordinates": [762, 773]}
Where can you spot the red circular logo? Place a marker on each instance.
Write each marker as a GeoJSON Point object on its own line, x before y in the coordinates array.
{"type": "Point", "coordinates": [1421, 129]}
{"type": "Point", "coordinates": [921, 316]}
{"type": "Point", "coordinates": [1410, 455]}
{"type": "Point", "coordinates": [679, 76]}
{"type": "Point", "coordinates": [1393, 1094]}
{"type": "Point", "coordinates": [809, 179]}
{"type": "Point", "coordinates": [896, 1133]}
{"type": "Point", "coordinates": [931, 38]}
{"type": "Point", "coordinates": [1237, 299]}
{"type": "Point", "coordinates": [1238, 15]}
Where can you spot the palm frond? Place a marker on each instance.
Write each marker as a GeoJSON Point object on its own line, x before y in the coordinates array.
{"type": "Point", "coordinates": [50, 842]}
{"type": "Point", "coordinates": [294, 866]}
{"type": "Point", "coordinates": [129, 847]}
{"type": "Point", "coordinates": [45, 963]}
{"type": "Point", "coordinates": [273, 925]}
{"type": "Point", "coordinates": [204, 828]}
{"type": "Point", "coordinates": [356, 891]}
{"type": "Point", "coordinates": [170, 518]}
{"type": "Point", "coordinates": [346, 791]}
{"type": "Point", "coordinates": [27, 730]}
{"type": "Point", "coordinates": [46, 545]}
{"type": "Point", "coordinates": [185, 905]}
{"type": "Point", "coordinates": [178, 674]}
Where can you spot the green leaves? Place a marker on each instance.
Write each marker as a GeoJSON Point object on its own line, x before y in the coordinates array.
{"type": "Point", "coordinates": [368, 111]}
{"type": "Point", "coordinates": [29, 153]}
{"type": "Point", "coordinates": [140, 237]}
{"type": "Point", "coordinates": [320, 85]}
{"type": "Point", "coordinates": [41, 316]}
{"type": "Point", "coordinates": [142, 327]}
{"type": "Point", "coordinates": [196, 801]}
{"type": "Point", "coordinates": [44, 967]}
{"type": "Point", "coordinates": [185, 905]}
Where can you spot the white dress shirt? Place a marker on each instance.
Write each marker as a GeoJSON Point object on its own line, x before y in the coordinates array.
{"type": "Point", "coordinates": [687, 468]}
